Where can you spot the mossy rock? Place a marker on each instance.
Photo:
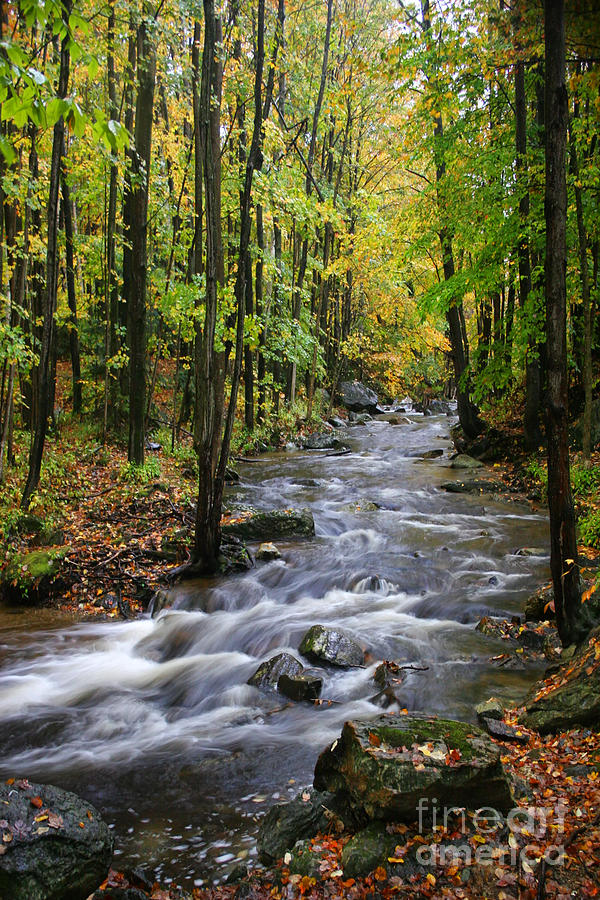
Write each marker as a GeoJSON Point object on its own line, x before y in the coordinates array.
{"type": "Point", "coordinates": [270, 525]}
{"type": "Point", "coordinates": [305, 860]}
{"type": "Point", "coordinates": [367, 850]}
{"type": "Point", "coordinates": [286, 823]}
{"type": "Point", "coordinates": [386, 766]}
{"type": "Point", "coordinates": [31, 577]}
{"type": "Point", "coordinates": [268, 673]}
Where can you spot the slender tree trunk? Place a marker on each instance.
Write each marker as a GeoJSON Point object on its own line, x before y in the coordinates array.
{"type": "Point", "coordinates": [563, 541]}
{"type": "Point", "coordinates": [44, 392]}
{"type": "Point", "coordinates": [136, 234]}
{"type": "Point", "coordinates": [71, 295]}
{"type": "Point", "coordinates": [112, 293]}
{"type": "Point", "coordinates": [209, 364]}
{"type": "Point", "coordinates": [467, 412]}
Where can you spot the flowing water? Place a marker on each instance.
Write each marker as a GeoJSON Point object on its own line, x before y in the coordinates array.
{"type": "Point", "coordinates": [152, 720]}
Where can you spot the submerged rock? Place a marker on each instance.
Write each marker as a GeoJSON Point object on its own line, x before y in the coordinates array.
{"type": "Point", "coordinates": [54, 845]}
{"type": "Point", "coordinates": [304, 685]}
{"type": "Point", "coordinates": [269, 525]}
{"type": "Point", "coordinates": [386, 766]}
{"type": "Point", "coordinates": [358, 398]}
{"type": "Point", "coordinates": [268, 673]}
{"type": "Point", "coordinates": [321, 644]}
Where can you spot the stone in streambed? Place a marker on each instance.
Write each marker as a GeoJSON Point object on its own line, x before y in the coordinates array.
{"type": "Point", "coordinates": [321, 644]}
{"type": "Point", "coordinates": [474, 486]}
{"type": "Point", "coordinates": [385, 766]}
{"type": "Point", "coordinates": [304, 685]}
{"type": "Point", "coordinates": [463, 461]}
{"type": "Point", "coordinates": [268, 673]}
{"type": "Point", "coordinates": [267, 552]}
{"type": "Point", "coordinates": [321, 441]}
{"type": "Point", "coordinates": [54, 845]}
{"type": "Point", "coordinates": [270, 525]}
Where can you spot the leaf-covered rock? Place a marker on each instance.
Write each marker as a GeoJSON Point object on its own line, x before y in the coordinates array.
{"type": "Point", "coordinates": [570, 697]}
{"type": "Point", "coordinates": [387, 765]}
{"type": "Point", "coordinates": [284, 824]}
{"type": "Point", "coordinates": [54, 845]}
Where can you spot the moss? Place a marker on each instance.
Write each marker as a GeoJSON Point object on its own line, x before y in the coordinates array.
{"type": "Point", "coordinates": [28, 577]}
{"type": "Point", "coordinates": [453, 734]}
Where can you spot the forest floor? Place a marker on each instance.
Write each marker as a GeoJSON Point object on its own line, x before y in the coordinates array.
{"type": "Point", "coordinates": [117, 522]}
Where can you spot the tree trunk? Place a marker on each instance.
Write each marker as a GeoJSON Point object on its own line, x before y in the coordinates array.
{"type": "Point", "coordinates": [136, 234]}
{"type": "Point", "coordinates": [563, 542]}
{"type": "Point", "coordinates": [44, 391]}
{"type": "Point", "coordinates": [71, 295]}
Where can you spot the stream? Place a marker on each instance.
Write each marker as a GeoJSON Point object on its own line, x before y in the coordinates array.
{"type": "Point", "coordinates": [152, 720]}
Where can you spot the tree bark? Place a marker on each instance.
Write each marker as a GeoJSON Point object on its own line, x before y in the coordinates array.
{"type": "Point", "coordinates": [563, 542]}
{"type": "Point", "coordinates": [71, 294]}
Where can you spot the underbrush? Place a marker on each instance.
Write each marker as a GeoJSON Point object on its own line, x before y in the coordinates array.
{"type": "Point", "coordinates": [585, 485]}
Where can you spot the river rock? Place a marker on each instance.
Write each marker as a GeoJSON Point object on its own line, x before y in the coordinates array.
{"type": "Point", "coordinates": [321, 441]}
{"type": "Point", "coordinates": [54, 844]}
{"type": "Point", "coordinates": [572, 697]}
{"type": "Point", "coordinates": [385, 766]}
{"type": "Point", "coordinates": [270, 525]}
{"type": "Point", "coordinates": [359, 418]}
{"type": "Point", "coordinates": [31, 577]}
{"type": "Point", "coordinates": [503, 732]}
{"type": "Point", "coordinates": [440, 408]}
{"type": "Point", "coordinates": [301, 686]}
{"type": "Point", "coordinates": [337, 422]}
{"type": "Point", "coordinates": [267, 674]}
{"type": "Point", "coordinates": [358, 398]}
{"type": "Point", "coordinates": [531, 551]}
{"type": "Point", "coordinates": [463, 461]}
{"type": "Point", "coordinates": [474, 486]}
{"type": "Point", "coordinates": [267, 552]}
{"type": "Point", "coordinates": [536, 607]}
{"type": "Point", "coordinates": [286, 823]}
{"type": "Point", "coordinates": [321, 644]}
{"type": "Point", "coordinates": [432, 454]}
{"type": "Point", "coordinates": [489, 709]}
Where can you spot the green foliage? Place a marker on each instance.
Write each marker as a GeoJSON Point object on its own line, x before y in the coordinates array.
{"type": "Point", "coordinates": [589, 528]}
{"type": "Point", "coordinates": [134, 474]}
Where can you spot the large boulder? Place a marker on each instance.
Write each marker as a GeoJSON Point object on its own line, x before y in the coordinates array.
{"type": "Point", "coordinates": [31, 577]}
{"type": "Point", "coordinates": [268, 673]}
{"type": "Point", "coordinates": [571, 697]}
{"type": "Point", "coordinates": [358, 398]}
{"type": "Point", "coordinates": [54, 845]}
{"type": "Point", "coordinates": [386, 767]}
{"type": "Point", "coordinates": [321, 644]}
{"type": "Point", "coordinates": [270, 525]}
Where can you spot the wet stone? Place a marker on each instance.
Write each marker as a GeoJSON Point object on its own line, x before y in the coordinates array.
{"type": "Point", "coordinates": [269, 672]}
{"type": "Point", "coordinates": [322, 644]}
{"type": "Point", "coordinates": [303, 686]}
{"type": "Point", "coordinates": [489, 709]}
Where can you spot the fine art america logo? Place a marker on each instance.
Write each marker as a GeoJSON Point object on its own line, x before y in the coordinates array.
{"type": "Point", "coordinates": [524, 837]}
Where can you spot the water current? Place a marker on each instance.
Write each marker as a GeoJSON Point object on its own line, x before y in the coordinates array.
{"type": "Point", "coordinates": [152, 720]}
